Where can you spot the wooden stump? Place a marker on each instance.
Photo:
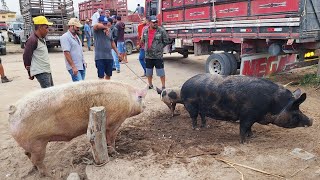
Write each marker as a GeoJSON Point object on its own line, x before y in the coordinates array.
{"type": "Point", "coordinates": [96, 133]}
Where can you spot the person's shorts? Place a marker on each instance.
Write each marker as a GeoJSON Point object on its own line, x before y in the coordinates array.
{"type": "Point", "coordinates": [158, 64]}
{"type": "Point", "coordinates": [121, 47]}
{"type": "Point", "coordinates": [104, 67]}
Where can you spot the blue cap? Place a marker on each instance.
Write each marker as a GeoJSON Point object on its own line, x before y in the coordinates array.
{"type": "Point", "coordinates": [153, 19]}
{"type": "Point", "coordinates": [103, 19]}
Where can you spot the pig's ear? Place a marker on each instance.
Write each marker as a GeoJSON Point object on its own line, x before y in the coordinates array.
{"type": "Point", "coordinates": [297, 93]}
{"type": "Point", "coordinates": [296, 103]}
{"type": "Point", "coordinates": [141, 92]}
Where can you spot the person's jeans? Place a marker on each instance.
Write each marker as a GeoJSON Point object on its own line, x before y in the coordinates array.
{"type": "Point", "coordinates": [45, 80]}
{"type": "Point", "coordinates": [116, 63]}
{"type": "Point", "coordinates": [142, 60]}
{"type": "Point", "coordinates": [88, 41]}
{"type": "Point", "coordinates": [80, 76]}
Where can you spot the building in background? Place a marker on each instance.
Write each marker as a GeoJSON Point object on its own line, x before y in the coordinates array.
{"type": "Point", "coordinates": [7, 16]}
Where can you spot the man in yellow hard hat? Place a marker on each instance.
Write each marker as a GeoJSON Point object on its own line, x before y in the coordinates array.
{"type": "Point", "coordinates": [36, 56]}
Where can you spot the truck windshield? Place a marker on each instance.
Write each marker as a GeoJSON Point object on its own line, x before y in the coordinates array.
{"type": "Point", "coordinates": [17, 26]}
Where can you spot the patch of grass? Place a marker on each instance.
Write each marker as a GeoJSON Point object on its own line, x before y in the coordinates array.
{"type": "Point", "coordinates": [310, 80]}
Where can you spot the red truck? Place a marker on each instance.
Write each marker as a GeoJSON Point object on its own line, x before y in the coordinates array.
{"type": "Point", "coordinates": [260, 37]}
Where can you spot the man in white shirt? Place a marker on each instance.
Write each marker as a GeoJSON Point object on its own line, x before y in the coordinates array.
{"type": "Point", "coordinates": [95, 17]}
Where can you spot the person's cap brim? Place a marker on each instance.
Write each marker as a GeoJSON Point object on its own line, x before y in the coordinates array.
{"type": "Point", "coordinates": [154, 20]}
{"type": "Point", "coordinates": [49, 23]}
{"type": "Point", "coordinates": [79, 25]}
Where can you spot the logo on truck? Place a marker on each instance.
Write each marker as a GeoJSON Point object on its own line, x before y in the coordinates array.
{"type": "Point", "coordinates": [230, 10]}
{"type": "Point", "coordinates": [272, 5]}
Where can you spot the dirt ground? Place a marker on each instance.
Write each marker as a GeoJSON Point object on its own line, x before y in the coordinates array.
{"type": "Point", "coordinates": [153, 145]}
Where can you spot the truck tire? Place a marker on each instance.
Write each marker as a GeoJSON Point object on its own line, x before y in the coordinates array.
{"type": "Point", "coordinates": [9, 39]}
{"type": "Point", "coordinates": [233, 63]}
{"type": "Point", "coordinates": [185, 54]}
{"type": "Point", "coordinates": [129, 48]}
{"type": "Point", "coordinates": [3, 51]}
{"type": "Point", "coordinates": [218, 64]}
{"type": "Point", "coordinates": [16, 40]}
{"type": "Point", "coordinates": [22, 45]}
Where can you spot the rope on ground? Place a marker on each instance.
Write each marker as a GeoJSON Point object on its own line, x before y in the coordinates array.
{"type": "Point", "coordinates": [254, 169]}
{"type": "Point", "coordinates": [140, 77]}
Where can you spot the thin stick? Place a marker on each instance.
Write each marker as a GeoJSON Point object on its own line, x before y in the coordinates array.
{"type": "Point", "coordinates": [169, 148]}
{"type": "Point", "coordinates": [242, 176]}
{"type": "Point", "coordinates": [295, 173]}
{"type": "Point", "coordinates": [254, 169]}
{"type": "Point", "coordinates": [202, 154]}
{"type": "Point", "coordinates": [72, 163]}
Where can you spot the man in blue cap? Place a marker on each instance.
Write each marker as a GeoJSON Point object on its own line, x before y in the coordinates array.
{"type": "Point", "coordinates": [103, 44]}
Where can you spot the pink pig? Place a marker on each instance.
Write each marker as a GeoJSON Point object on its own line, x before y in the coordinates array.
{"type": "Point", "coordinates": [61, 113]}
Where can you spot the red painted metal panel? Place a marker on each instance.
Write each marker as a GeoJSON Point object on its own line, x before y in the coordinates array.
{"type": "Point", "coordinates": [172, 16]}
{"type": "Point", "coordinates": [203, 1]}
{"type": "Point", "coordinates": [166, 3]}
{"type": "Point", "coordinates": [189, 2]}
{"type": "Point", "coordinates": [231, 10]}
{"type": "Point", "coordinates": [265, 65]}
{"type": "Point", "coordinates": [197, 13]}
{"type": "Point", "coordinates": [177, 3]}
{"type": "Point", "coordinates": [261, 7]}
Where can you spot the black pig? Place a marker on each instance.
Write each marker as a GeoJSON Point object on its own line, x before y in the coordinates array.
{"type": "Point", "coordinates": [243, 98]}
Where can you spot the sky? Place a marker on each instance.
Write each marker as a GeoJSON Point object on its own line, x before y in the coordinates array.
{"type": "Point", "coordinates": [13, 5]}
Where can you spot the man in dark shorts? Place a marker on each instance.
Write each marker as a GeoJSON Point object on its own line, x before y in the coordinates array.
{"type": "Point", "coordinates": [103, 44]}
{"type": "Point", "coordinates": [155, 39]}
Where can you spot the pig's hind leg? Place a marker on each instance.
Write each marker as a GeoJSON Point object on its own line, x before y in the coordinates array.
{"type": "Point", "coordinates": [245, 129]}
{"type": "Point", "coordinates": [193, 112]}
{"type": "Point", "coordinates": [37, 155]}
{"type": "Point", "coordinates": [203, 120]}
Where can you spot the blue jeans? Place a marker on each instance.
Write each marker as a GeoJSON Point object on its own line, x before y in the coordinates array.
{"type": "Point", "coordinates": [80, 76]}
{"type": "Point", "coordinates": [121, 47]}
{"type": "Point", "coordinates": [88, 41]}
{"type": "Point", "coordinates": [45, 80]}
{"type": "Point", "coordinates": [142, 60]}
{"type": "Point", "coordinates": [116, 63]}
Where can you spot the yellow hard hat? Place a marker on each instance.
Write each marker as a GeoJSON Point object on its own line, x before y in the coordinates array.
{"type": "Point", "coordinates": [39, 20]}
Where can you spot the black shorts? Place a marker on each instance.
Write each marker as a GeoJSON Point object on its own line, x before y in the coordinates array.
{"type": "Point", "coordinates": [158, 63]}
{"type": "Point", "coordinates": [104, 67]}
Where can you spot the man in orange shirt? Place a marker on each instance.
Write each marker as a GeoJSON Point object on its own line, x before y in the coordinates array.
{"type": "Point", "coordinates": [142, 26]}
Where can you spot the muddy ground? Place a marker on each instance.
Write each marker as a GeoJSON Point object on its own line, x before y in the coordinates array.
{"type": "Point", "coordinates": [153, 145]}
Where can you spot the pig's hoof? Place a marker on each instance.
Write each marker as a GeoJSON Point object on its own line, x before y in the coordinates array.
{"type": "Point", "coordinates": [205, 126]}
{"type": "Point", "coordinates": [45, 174]}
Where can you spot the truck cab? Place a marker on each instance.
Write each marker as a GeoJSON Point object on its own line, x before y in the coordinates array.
{"type": "Point", "coordinates": [14, 31]}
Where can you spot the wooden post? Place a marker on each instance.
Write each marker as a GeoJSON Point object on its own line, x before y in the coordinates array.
{"type": "Point", "coordinates": [96, 133]}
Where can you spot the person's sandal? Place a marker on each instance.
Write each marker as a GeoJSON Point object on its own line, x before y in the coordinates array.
{"type": "Point", "coordinates": [151, 87]}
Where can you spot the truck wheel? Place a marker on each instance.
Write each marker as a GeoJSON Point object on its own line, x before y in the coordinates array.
{"type": "Point", "coordinates": [16, 40]}
{"type": "Point", "coordinates": [9, 39]}
{"type": "Point", "coordinates": [218, 64]}
{"type": "Point", "coordinates": [185, 54]}
{"type": "Point", "coordinates": [129, 48]}
{"type": "Point", "coordinates": [22, 45]}
{"type": "Point", "coordinates": [3, 51]}
{"type": "Point", "coordinates": [233, 63]}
